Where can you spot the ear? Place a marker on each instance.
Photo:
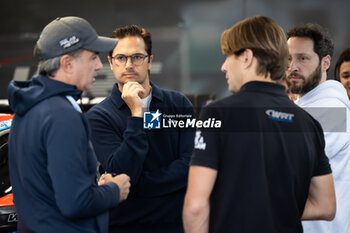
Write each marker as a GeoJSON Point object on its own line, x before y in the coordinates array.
{"type": "Point", "coordinates": [247, 58]}
{"type": "Point", "coordinates": [325, 63]}
{"type": "Point", "coordinates": [110, 62]}
{"type": "Point", "coordinates": [150, 62]}
{"type": "Point", "coordinates": [67, 63]}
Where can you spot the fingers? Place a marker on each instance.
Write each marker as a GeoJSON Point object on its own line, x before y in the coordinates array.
{"type": "Point", "coordinates": [133, 88]}
{"type": "Point", "coordinates": [131, 95]}
{"type": "Point", "coordinates": [104, 179]}
{"type": "Point", "coordinates": [123, 182]}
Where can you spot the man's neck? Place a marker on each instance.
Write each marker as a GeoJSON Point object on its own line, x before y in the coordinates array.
{"type": "Point", "coordinates": [261, 78]}
{"type": "Point", "coordinates": [61, 78]}
{"type": "Point", "coordinates": [323, 78]}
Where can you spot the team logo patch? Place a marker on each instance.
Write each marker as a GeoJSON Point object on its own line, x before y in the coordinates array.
{"type": "Point", "coordinates": [279, 116]}
{"type": "Point", "coordinates": [68, 42]}
{"type": "Point", "coordinates": [151, 120]}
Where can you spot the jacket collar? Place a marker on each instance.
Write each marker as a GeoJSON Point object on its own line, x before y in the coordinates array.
{"type": "Point", "coordinates": [267, 87]}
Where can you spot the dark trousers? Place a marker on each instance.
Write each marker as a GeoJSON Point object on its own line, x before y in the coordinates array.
{"type": "Point", "coordinates": [21, 228]}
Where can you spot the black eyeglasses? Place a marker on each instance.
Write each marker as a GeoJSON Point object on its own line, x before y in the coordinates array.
{"type": "Point", "coordinates": [136, 59]}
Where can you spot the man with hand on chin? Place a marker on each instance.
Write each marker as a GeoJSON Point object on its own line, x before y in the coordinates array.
{"type": "Point", "coordinates": [156, 160]}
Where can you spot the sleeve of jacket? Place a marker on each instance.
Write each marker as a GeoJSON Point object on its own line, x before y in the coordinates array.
{"type": "Point", "coordinates": [72, 167]}
{"type": "Point", "coordinates": [117, 151]}
{"type": "Point", "coordinates": [173, 177]}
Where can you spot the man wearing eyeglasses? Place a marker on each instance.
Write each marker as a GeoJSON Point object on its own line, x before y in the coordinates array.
{"type": "Point", "coordinates": [156, 160]}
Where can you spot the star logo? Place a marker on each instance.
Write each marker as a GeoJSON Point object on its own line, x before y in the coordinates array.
{"type": "Point", "coordinates": [151, 120]}
{"type": "Point", "coordinates": [156, 115]}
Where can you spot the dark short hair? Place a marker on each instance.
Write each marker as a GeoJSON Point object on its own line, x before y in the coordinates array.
{"type": "Point", "coordinates": [134, 30]}
{"type": "Point", "coordinates": [265, 38]}
{"type": "Point", "coordinates": [323, 45]}
{"type": "Point", "coordinates": [344, 57]}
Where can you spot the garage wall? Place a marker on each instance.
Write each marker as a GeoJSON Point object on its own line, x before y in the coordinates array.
{"type": "Point", "coordinates": [186, 34]}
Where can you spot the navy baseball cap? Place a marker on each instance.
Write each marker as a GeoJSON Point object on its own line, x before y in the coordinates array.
{"type": "Point", "coordinates": [68, 34]}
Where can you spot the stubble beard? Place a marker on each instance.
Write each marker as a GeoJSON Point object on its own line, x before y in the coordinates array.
{"type": "Point", "coordinates": [309, 83]}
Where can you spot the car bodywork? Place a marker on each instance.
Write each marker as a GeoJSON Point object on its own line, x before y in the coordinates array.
{"type": "Point", "coordinates": [8, 216]}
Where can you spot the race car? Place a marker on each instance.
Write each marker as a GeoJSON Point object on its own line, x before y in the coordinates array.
{"type": "Point", "coordinates": [8, 216]}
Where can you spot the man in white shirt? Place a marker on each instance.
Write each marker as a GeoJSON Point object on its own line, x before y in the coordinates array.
{"type": "Point", "coordinates": [310, 51]}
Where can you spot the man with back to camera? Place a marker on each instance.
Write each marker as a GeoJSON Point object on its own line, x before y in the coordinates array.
{"type": "Point", "coordinates": [51, 160]}
{"type": "Point", "coordinates": [310, 51]}
{"type": "Point", "coordinates": [248, 176]}
{"type": "Point", "coordinates": [156, 160]}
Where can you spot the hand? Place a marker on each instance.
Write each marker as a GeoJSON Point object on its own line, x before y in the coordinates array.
{"type": "Point", "coordinates": [131, 95]}
{"type": "Point", "coordinates": [104, 179]}
{"type": "Point", "coordinates": [122, 180]}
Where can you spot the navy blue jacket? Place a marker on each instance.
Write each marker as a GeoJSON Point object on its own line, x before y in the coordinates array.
{"type": "Point", "coordinates": [156, 160]}
{"type": "Point", "coordinates": [52, 167]}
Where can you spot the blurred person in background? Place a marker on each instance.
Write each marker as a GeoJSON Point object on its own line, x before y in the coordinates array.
{"type": "Point", "coordinates": [342, 70]}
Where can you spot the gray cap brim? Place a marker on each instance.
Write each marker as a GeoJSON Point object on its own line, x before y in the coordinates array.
{"type": "Point", "coordinates": [102, 44]}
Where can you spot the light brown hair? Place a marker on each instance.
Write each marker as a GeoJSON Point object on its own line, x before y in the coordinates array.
{"type": "Point", "coordinates": [265, 38]}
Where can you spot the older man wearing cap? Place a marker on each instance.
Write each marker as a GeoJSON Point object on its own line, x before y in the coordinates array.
{"type": "Point", "coordinates": [52, 163]}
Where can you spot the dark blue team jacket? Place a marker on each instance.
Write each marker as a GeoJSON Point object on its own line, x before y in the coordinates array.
{"type": "Point", "coordinates": [52, 167]}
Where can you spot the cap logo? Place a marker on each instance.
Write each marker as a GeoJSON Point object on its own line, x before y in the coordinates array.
{"type": "Point", "coordinates": [68, 42]}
